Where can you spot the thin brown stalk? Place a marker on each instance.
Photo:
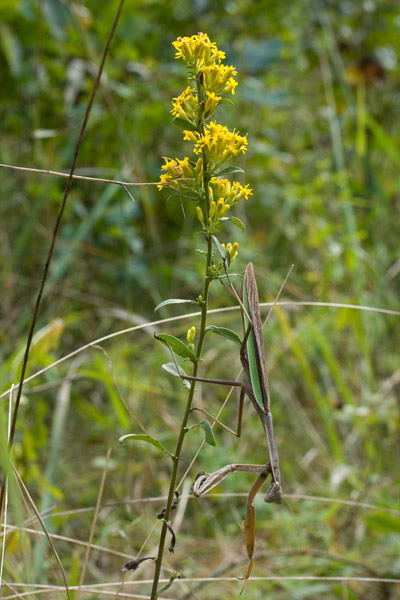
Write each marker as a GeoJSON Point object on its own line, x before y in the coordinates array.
{"type": "Point", "coordinates": [53, 241]}
{"type": "Point", "coordinates": [123, 184]}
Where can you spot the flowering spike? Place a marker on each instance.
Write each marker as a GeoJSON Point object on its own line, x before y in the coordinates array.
{"type": "Point", "coordinates": [214, 144]}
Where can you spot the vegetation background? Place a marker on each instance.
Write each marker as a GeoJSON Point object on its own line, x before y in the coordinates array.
{"type": "Point", "coordinates": [318, 95]}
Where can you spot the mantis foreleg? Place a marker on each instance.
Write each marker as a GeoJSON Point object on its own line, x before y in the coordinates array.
{"type": "Point", "coordinates": [205, 482]}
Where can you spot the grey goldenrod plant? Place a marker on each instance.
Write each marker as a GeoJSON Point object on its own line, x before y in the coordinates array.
{"type": "Point", "coordinates": [203, 181]}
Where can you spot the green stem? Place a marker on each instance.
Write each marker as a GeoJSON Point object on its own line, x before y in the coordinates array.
{"type": "Point", "coordinates": [183, 430]}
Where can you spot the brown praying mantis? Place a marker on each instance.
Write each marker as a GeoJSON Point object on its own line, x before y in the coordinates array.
{"type": "Point", "coordinates": [257, 389]}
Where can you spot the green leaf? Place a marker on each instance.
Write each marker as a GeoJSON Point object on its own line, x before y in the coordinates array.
{"type": "Point", "coordinates": [235, 221]}
{"type": "Point", "coordinates": [176, 345]}
{"type": "Point", "coordinates": [171, 368]}
{"type": "Point", "coordinates": [141, 437]}
{"type": "Point", "coordinates": [225, 101]}
{"type": "Point", "coordinates": [12, 49]}
{"type": "Point", "coordinates": [184, 124]}
{"type": "Point", "coordinates": [223, 254]}
{"type": "Point", "coordinates": [383, 523]}
{"type": "Point", "coordinates": [208, 433]}
{"type": "Point", "coordinates": [229, 171]}
{"type": "Point", "coordinates": [174, 301]}
{"type": "Point", "coordinates": [168, 584]}
{"type": "Point", "coordinates": [227, 333]}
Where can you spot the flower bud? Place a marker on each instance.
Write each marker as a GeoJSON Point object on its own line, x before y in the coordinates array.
{"type": "Point", "coordinates": [200, 215]}
{"type": "Point", "coordinates": [190, 334]}
{"type": "Point", "coordinates": [212, 209]}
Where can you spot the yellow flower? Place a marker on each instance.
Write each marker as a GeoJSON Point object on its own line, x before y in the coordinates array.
{"type": "Point", "coordinates": [197, 50]}
{"type": "Point", "coordinates": [169, 166]}
{"type": "Point", "coordinates": [218, 142]}
{"type": "Point", "coordinates": [231, 192]}
{"type": "Point", "coordinates": [232, 249]}
{"type": "Point", "coordinates": [175, 169]}
{"type": "Point", "coordinates": [186, 104]}
{"type": "Point", "coordinates": [190, 135]}
{"type": "Point", "coordinates": [230, 86]}
{"type": "Point", "coordinates": [211, 103]}
{"type": "Point", "coordinates": [218, 78]}
{"type": "Point", "coordinates": [164, 180]}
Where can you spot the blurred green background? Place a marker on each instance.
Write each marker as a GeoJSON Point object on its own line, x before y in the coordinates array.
{"type": "Point", "coordinates": [318, 95]}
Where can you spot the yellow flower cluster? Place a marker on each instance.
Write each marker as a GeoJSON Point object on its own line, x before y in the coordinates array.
{"type": "Point", "coordinates": [218, 142]}
{"type": "Point", "coordinates": [178, 169]}
{"type": "Point", "coordinates": [209, 81]}
{"type": "Point", "coordinates": [232, 249]}
{"type": "Point", "coordinates": [213, 78]}
{"type": "Point", "coordinates": [232, 192]}
{"type": "Point", "coordinates": [197, 50]}
{"type": "Point", "coordinates": [218, 78]}
{"type": "Point", "coordinates": [223, 196]}
{"type": "Point", "coordinates": [186, 104]}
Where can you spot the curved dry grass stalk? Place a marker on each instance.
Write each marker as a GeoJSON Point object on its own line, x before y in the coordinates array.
{"type": "Point", "coordinates": [160, 499]}
{"type": "Point", "coordinates": [86, 590]}
{"type": "Point", "coordinates": [4, 524]}
{"type": "Point", "coordinates": [69, 540]}
{"type": "Point", "coordinates": [100, 588]}
{"type": "Point", "coordinates": [46, 533]}
{"type": "Point", "coordinates": [110, 336]}
{"type": "Point", "coordinates": [79, 177]}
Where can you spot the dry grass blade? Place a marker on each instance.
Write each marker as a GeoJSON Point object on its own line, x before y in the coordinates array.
{"type": "Point", "coordinates": [64, 538]}
{"type": "Point", "coordinates": [4, 525]}
{"type": "Point", "coordinates": [37, 513]}
{"type": "Point", "coordinates": [94, 522]}
{"type": "Point", "coordinates": [110, 336]}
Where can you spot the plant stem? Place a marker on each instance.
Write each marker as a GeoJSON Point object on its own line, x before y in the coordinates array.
{"type": "Point", "coordinates": [183, 430]}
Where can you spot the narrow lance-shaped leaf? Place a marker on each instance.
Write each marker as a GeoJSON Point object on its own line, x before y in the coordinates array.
{"type": "Point", "coordinates": [174, 301]}
{"type": "Point", "coordinates": [223, 254]}
{"type": "Point", "coordinates": [141, 437]}
{"type": "Point", "coordinates": [184, 124]}
{"type": "Point", "coordinates": [235, 221]}
{"type": "Point", "coordinates": [229, 171]}
{"type": "Point", "coordinates": [176, 346]}
{"type": "Point", "coordinates": [227, 333]}
{"type": "Point", "coordinates": [171, 368]}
